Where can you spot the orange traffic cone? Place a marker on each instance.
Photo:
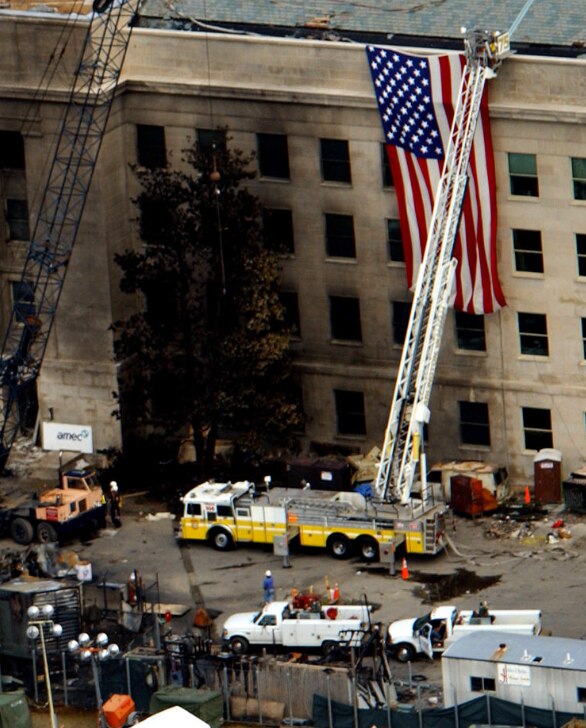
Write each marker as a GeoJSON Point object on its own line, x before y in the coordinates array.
{"type": "Point", "coordinates": [527, 495]}
{"type": "Point", "coordinates": [404, 569]}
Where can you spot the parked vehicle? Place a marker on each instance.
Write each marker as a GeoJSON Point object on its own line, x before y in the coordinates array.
{"type": "Point", "coordinates": [431, 634]}
{"type": "Point", "coordinates": [278, 623]}
{"type": "Point", "coordinates": [74, 504]}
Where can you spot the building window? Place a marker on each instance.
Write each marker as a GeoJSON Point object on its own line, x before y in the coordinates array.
{"type": "Point", "coordinates": [155, 220]}
{"type": "Point", "coordinates": [401, 312]}
{"type": "Point", "coordinates": [583, 338]}
{"type": "Point", "coordinates": [581, 695]}
{"type": "Point", "coordinates": [537, 428]}
{"type": "Point", "coordinates": [150, 146]}
{"type": "Point", "coordinates": [523, 175]}
{"type": "Point", "coordinates": [386, 167]}
{"type": "Point", "coordinates": [23, 300]}
{"type": "Point", "coordinates": [395, 241]}
{"type": "Point", "coordinates": [533, 334]}
{"type": "Point", "coordinates": [528, 251]}
{"type": "Point", "coordinates": [474, 424]}
{"type": "Point", "coordinates": [581, 253]}
{"type": "Point", "coordinates": [11, 150]}
{"type": "Point", "coordinates": [470, 331]}
{"type": "Point", "coordinates": [345, 318]}
{"type": "Point", "coordinates": [17, 220]}
{"type": "Point", "coordinates": [579, 178]}
{"type": "Point", "coordinates": [340, 241]}
{"type": "Point", "coordinates": [482, 684]}
{"type": "Point", "coordinates": [290, 305]}
{"type": "Point", "coordinates": [211, 140]}
{"type": "Point", "coordinates": [273, 155]}
{"type": "Point", "coordinates": [335, 160]}
{"type": "Point", "coordinates": [278, 230]}
{"type": "Point", "coordinates": [350, 412]}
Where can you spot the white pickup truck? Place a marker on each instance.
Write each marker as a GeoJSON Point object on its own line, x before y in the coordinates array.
{"type": "Point", "coordinates": [278, 623]}
{"type": "Point", "coordinates": [431, 634]}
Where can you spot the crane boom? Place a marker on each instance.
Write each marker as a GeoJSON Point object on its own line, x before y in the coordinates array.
{"type": "Point", "coordinates": [409, 409]}
{"type": "Point", "coordinates": [61, 209]}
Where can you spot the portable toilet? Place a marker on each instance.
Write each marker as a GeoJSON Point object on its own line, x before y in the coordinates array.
{"type": "Point", "coordinates": [547, 467]}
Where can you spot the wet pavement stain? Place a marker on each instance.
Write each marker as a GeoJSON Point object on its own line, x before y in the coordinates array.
{"type": "Point", "coordinates": [444, 587]}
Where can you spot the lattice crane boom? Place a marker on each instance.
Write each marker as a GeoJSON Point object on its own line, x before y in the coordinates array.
{"type": "Point", "coordinates": [61, 208]}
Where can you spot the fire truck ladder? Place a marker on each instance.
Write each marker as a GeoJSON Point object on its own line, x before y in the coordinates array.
{"type": "Point", "coordinates": [402, 448]}
{"type": "Point", "coordinates": [61, 209]}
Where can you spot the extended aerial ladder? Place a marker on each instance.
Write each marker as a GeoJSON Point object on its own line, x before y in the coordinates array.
{"type": "Point", "coordinates": [403, 444]}
{"type": "Point", "coordinates": [61, 209]}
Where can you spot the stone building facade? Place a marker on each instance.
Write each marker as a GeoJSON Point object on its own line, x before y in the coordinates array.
{"type": "Point", "coordinates": [507, 384]}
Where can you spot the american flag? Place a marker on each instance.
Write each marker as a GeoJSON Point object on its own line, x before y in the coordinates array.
{"type": "Point", "coordinates": [416, 97]}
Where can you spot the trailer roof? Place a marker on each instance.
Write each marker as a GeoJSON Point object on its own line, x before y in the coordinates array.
{"type": "Point", "coordinates": [536, 651]}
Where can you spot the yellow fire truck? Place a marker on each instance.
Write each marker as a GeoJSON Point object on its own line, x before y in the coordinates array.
{"type": "Point", "coordinates": [226, 514]}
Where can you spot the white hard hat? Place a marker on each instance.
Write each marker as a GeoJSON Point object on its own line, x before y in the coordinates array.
{"type": "Point", "coordinates": [268, 573]}
{"type": "Point", "coordinates": [113, 485]}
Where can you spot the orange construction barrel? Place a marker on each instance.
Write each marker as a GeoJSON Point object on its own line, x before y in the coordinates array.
{"type": "Point", "coordinates": [117, 709]}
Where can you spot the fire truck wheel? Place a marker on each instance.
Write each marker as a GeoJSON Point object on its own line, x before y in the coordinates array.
{"type": "Point", "coordinates": [221, 540]}
{"type": "Point", "coordinates": [368, 549]}
{"type": "Point", "coordinates": [22, 531]}
{"type": "Point", "coordinates": [46, 533]}
{"type": "Point", "coordinates": [328, 647]}
{"type": "Point", "coordinates": [338, 546]}
{"type": "Point", "coordinates": [239, 645]}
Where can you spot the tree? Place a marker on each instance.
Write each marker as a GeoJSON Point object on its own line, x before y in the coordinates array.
{"type": "Point", "coordinates": [208, 351]}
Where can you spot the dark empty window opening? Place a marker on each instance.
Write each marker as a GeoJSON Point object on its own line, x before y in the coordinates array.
{"type": "Point", "coordinates": [350, 415]}
{"type": "Point", "coordinates": [386, 167]}
{"type": "Point", "coordinates": [345, 318]}
{"type": "Point", "coordinates": [474, 424]}
{"type": "Point", "coordinates": [290, 303]}
{"type": "Point", "coordinates": [482, 684]}
{"type": "Point", "coordinates": [150, 143]}
{"type": "Point", "coordinates": [11, 150]}
{"type": "Point", "coordinates": [273, 155]}
{"type": "Point", "coordinates": [17, 220]}
{"type": "Point", "coordinates": [401, 313]}
{"type": "Point", "coordinates": [340, 240]}
{"type": "Point", "coordinates": [537, 428]}
{"type": "Point", "coordinates": [211, 140]}
{"type": "Point", "coordinates": [581, 253]}
{"type": "Point", "coordinates": [278, 231]}
{"type": "Point", "coordinates": [395, 241]}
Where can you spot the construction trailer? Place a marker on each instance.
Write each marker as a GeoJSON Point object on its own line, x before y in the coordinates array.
{"type": "Point", "coordinates": [533, 671]}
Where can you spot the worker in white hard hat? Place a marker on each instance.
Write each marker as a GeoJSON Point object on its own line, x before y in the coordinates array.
{"type": "Point", "coordinates": [115, 504]}
{"type": "Point", "coordinates": [268, 586]}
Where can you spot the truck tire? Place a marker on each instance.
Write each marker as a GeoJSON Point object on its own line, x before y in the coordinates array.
{"type": "Point", "coordinates": [338, 546]}
{"type": "Point", "coordinates": [328, 646]}
{"type": "Point", "coordinates": [404, 652]}
{"type": "Point", "coordinates": [221, 540]}
{"type": "Point", "coordinates": [238, 645]}
{"type": "Point", "coordinates": [22, 531]}
{"type": "Point", "coordinates": [368, 549]}
{"type": "Point", "coordinates": [46, 533]}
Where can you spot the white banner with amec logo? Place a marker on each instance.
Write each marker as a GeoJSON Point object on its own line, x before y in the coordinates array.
{"type": "Point", "coordinates": [57, 436]}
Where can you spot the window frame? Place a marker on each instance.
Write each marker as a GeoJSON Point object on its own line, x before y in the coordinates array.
{"type": "Point", "coordinates": [467, 332]}
{"type": "Point", "coordinates": [341, 242]}
{"type": "Point", "coordinates": [579, 177]}
{"type": "Point", "coordinates": [335, 161]}
{"type": "Point", "coordinates": [474, 417]}
{"type": "Point", "coordinates": [583, 322]}
{"type": "Point", "coordinates": [536, 437]}
{"type": "Point", "coordinates": [386, 171]}
{"type": "Point", "coordinates": [529, 334]}
{"type": "Point", "coordinates": [351, 419]}
{"type": "Point", "coordinates": [395, 249]}
{"type": "Point", "coordinates": [528, 251]}
{"type": "Point", "coordinates": [481, 684]}
{"type": "Point", "coordinates": [581, 254]}
{"type": "Point", "coordinates": [345, 323]}
{"type": "Point", "coordinates": [273, 155]}
{"type": "Point", "coordinates": [17, 224]}
{"type": "Point", "coordinates": [523, 183]}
